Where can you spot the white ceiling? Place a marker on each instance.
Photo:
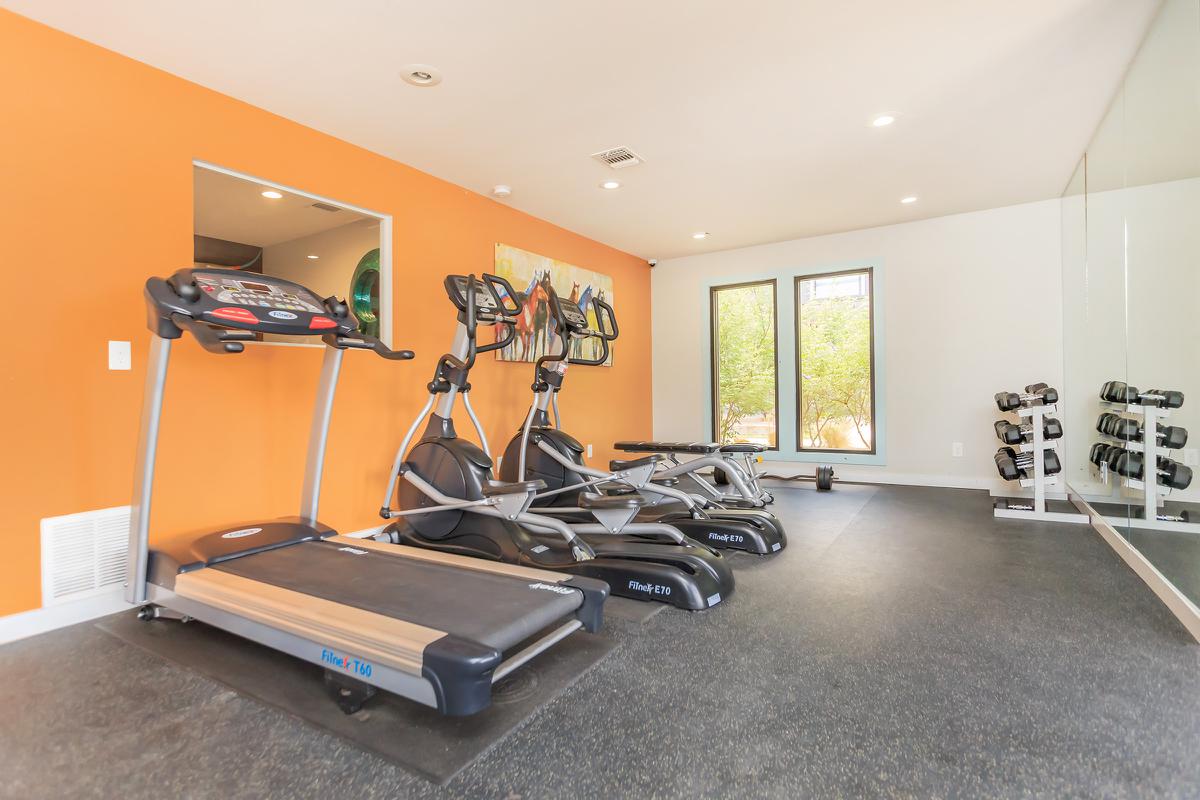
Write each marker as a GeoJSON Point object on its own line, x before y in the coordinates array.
{"type": "Point", "coordinates": [753, 117]}
{"type": "Point", "coordinates": [233, 209]}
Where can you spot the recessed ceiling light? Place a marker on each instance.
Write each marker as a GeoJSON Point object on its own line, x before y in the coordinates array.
{"type": "Point", "coordinates": [501, 190]}
{"type": "Point", "coordinates": [314, 258]}
{"type": "Point", "coordinates": [912, 198]}
{"type": "Point", "coordinates": [272, 194]}
{"type": "Point", "coordinates": [421, 75]}
{"type": "Point", "coordinates": [611, 185]}
{"type": "Point", "coordinates": [883, 120]}
{"type": "Point", "coordinates": [700, 235]}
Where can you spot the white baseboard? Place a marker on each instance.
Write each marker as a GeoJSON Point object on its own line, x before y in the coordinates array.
{"type": "Point", "coordinates": [851, 474]}
{"type": "Point", "coordinates": [42, 620]}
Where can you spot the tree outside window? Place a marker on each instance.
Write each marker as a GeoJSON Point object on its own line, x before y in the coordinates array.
{"type": "Point", "coordinates": [745, 393]}
{"type": "Point", "coordinates": [835, 370]}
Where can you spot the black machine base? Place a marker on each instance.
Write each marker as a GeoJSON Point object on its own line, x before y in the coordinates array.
{"type": "Point", "coordinates": [689, 576]}
{"type": "Point", "coordinates": [349, 694]}
{"type": "Point", "coordinates": [758, 534]}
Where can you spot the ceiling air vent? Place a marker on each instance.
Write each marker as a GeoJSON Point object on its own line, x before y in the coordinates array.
{"type": "Point", "coordinates": [83, 555]}
{"type": "Point", "coordinates": [618, 157]}
{"type": "Point", "coordinates": [325, 207]}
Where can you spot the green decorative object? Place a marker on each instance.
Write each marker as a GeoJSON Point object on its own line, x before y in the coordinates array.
{"type": "Point", "coordinates": [364, 293]}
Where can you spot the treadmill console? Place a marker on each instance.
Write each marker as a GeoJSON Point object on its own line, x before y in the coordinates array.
{"type": "Point", "coordinates": [230, 298]}
{"type": "Point", "coordinates": [257, 293]}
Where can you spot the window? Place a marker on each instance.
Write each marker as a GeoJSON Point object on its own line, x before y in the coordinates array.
{"type": "Point", "coordinates": [744, 381]}
{"type": "Point", "coordinates": [835, 367]}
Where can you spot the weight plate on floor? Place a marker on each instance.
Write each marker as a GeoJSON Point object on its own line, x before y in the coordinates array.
{"type": "Point", "coordinates": [824, 478]}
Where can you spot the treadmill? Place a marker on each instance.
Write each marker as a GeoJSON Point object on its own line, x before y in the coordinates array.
{"type": "Point", "coordinates": [437, 628]}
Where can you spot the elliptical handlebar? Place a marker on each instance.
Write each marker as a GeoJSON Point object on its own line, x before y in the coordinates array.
{"type": "Point", "coordinates": [559, 329]}
{"type": "Point", "coordinates": [610, 315]}
{"type": "Point", "coordinates": [603, 310]}
{"type": "Point", "coordinates": [494, 281]}
{"type": "Point", "coordinates": [509, 312]}
{"type": "Point", "coordinates": [471, 322]}
{"type": "Point", "coordinates": [607, 331]}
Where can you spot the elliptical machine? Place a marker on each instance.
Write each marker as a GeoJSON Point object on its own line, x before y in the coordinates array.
{"type": "Point", "coordinates": [447, 501]}
{"type": "Point", "coordinates": [545, 452]}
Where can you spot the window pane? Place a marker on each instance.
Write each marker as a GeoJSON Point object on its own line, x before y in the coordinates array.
{"type": "Point", "coordinates": [837, 398]}
{"type": "Point", "coordinates": [744, 395]}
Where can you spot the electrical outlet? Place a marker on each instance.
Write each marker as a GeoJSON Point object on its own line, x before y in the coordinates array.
{"type": "Point", "coordinates": [956, 450]}
{"type": "Point", "coordinates": [1191, 457]}
{"type": "Point", "coordinates": [120, 355]}
{"type": "Point", "coordinates": [589, 455]}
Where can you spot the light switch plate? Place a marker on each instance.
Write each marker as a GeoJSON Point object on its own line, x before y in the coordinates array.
{"type": "Point", "coordinates": [1191, 457]}
{"type": "Point", "coordinates": [589, 455]}
{"type": "Point", "coordinates": [120, 355]}
{"type": "Point", "coordinates": [956, 449]}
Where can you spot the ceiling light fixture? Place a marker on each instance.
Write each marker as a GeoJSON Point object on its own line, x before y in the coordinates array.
{"type": "Point", "coordinates": [421, 75]}
{"type": "Point", "coordinates": [912, 198]}
{"type": "Point", "coordinates": [883, 120]}
{"type": "Point", "coordinates": [501, 190]}
{"type": "Point", "coordinates": [272, 194]}
{"type": "Point", "coordinates": [313, 258]}
{"type": "Point", "coordinates": [611, 185]}
{"type": "Point", "coordinates": [700, 235]}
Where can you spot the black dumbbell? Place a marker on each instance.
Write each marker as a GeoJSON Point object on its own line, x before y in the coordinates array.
{"type": "Point", "coordinates": [1168, 437]}
{"type": "Point", "coordinates": [1043, 395]}
{"type": "Point", "coordinates": [1104, 453]}
{"type": "Point", "coordinates": [1120, 392]}
{"type": "Point", "coordinates": [1013, 465]}
{"type": "Point", "coordinates": [1168, 472]}
{"type": "Point", "coordinates": [1163, 398]}
{"type": "Point", "coordinates": [1117, 426]}
{"type": "Point", "coordinates": [1007, 465]}
{"type": "Point", "coordinates": [1099, 453]}
{"type": "Point", "coordinates": [1011, 433]}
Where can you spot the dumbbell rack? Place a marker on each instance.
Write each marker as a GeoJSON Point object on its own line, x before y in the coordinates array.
{"type": "Point", "coordinates": [1149, 416]}
{"type": "Point", "coordinates": [1035, 416]}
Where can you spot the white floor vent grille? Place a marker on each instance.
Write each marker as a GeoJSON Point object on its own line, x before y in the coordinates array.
{"type": "Point", "coordinates": [83, 555]}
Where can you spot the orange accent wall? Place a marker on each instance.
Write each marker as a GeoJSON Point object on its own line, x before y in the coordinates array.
{"type": "Point", "coordinates": [96, 158]}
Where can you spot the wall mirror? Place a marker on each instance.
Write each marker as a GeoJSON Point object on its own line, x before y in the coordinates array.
{"type": "Point", "coordinates": [1131, 278]}
{"type": "Point", "coordinates": [259, 227]}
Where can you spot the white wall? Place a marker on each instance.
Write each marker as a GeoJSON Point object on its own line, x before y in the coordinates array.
{"type": "Point", "coordinates": [972, 305]}
{"type": "Point", "coordinates": [339, 250]}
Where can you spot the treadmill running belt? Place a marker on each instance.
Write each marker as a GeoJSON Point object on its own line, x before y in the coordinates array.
{"type": "Point", "coordinates": [494, 610]}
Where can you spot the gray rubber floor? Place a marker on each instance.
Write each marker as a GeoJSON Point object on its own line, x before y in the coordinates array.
{"type": "Point", "coordinates": [904, 645]}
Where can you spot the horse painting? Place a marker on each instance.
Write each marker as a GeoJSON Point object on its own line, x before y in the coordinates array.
{"type": "Point", "coordinates": [538, 275]}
